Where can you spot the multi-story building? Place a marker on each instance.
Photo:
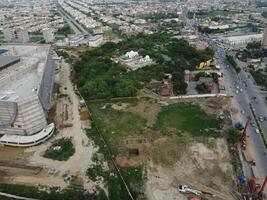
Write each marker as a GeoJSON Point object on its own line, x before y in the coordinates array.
{"type": "Point", "coordinates": [264, 38]}
{"type": "Point", "coordinates": [95, 41]}
{"type": "Point", "coordinates": [48, 35]}
{"type": "Point", "coordinates": [9, 34]}
{"type": "Point", "coordinates": [243, 39]}
{"type": "Point", "coordinates": [23, 35]}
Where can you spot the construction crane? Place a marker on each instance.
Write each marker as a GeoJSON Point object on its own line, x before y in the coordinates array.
{"type": "Point", "coordinates": [255, 189]}
{"type": "Point", "coordinates": [244, 140]}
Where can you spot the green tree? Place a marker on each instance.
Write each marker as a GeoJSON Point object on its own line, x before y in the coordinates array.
{"type": "Point", "coordinates": [234, 136]}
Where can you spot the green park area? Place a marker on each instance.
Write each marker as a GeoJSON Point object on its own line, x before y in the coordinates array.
{"type": "Point", "coordinates": [186, 118]}
{"type": "Point", "coordinates": [61, 149]}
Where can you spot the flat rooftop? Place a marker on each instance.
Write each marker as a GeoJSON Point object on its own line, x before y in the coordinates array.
{"type": "Point", "coordinates": [23, 79]}
{"type": "Point", "coordinates": [5, 61]}
{"type": "Point", "coordinates": [244, 37]}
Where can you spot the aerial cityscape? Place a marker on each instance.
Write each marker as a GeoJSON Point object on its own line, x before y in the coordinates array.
{"type": "Point", "coordinates": [133, 100]}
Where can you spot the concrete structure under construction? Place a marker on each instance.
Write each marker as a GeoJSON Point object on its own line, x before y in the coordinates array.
{"type": "Point", "coordinates": [264, 39]}
{"type": "Point", "coordinates": [26, 90]}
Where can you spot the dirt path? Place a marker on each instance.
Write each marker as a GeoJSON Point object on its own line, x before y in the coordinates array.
{"type": "Point", "coordinates": [79, 162]}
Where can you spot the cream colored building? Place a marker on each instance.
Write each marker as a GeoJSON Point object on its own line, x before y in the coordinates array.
{"type": "Point", "coordinates": [264, 38]}
{"type": "Point", "coordinates": [26, 90]}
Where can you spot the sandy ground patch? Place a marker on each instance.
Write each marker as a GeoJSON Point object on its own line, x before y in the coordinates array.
{"type": "Point", "coordinates": [47, 172]}
{"type": "Point", "coordinates": [146, 109]}
{"type": "Point", "coordinates": [195, 164]}
{"type": "Point", "coordinates": [81, 160]}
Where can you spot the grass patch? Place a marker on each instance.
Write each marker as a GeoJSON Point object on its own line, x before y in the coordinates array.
{"type": "Point", "coordinates": [50, 194]}
{"type": "Point", "coordinates": [116, 123]}
{"type": "Point", "coordinates": [61, 149]}
{"type": "Point", "coordinates": [65, 30]}
{"type": "Point", "coordinates": [259, 77]}
{"type": "Point", "coordinates": [132, 175]}
{"type": "Point", "coordinates": [185, 117]}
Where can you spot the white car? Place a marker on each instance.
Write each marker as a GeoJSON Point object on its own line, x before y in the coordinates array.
{"type": "Point", "coordinates": [242, 112]}
{"type": "Point", "coordinates": [186, 189]}
{"type": "Point", "coordinates": [257, 131]}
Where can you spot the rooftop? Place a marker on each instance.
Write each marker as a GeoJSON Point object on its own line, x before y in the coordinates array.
{"type": "Point", "coordinates": [96, 37]}
{"type": "Point", "coordinates": [6, 61]}
{"type": "Point", "coordinates": [2, 51]}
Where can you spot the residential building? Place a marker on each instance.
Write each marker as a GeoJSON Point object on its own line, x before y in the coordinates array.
{"type": "Point", "coordinates": [23, 35]}
{"type": "Point", "coordinates": [48, 35]}
{"type": "Point", "coordinates": [96, 40]}
{"type": "Point", "coordinates": [243, 39]}
{"type": "Point", "coordinates": [264, 38]}
{"type": "Point", "coordinates": [9, 34]}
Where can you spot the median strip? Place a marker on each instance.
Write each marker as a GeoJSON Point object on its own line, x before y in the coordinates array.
{"type": "Point", "coordinates": [259, 126]}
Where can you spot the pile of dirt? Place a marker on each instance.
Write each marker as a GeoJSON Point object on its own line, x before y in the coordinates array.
{"type": "Point", "coordinates": [84, 115]}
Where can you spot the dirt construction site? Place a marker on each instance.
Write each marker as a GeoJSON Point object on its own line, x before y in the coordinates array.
{"type": "Point", "coordinates": [27, 166]}
{"type": "Point", "coordinates": [202, 163]}
{"type": "Point", "coordinates": [144, 135]}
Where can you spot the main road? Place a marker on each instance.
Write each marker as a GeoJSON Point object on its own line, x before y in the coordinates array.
{"type": "Point", "coordinates": [72, 22]}
{"type": "Point", "coordinates": [243, 91]}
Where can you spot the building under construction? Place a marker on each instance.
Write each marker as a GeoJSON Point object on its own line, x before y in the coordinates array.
{"type": "Point", "coordinates": [26, 85]}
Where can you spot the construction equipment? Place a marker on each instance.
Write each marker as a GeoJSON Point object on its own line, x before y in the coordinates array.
{"type": "Point", "coordinates": [204, 65]}
{"type": "Point", "coordinates": [186, 189]}
{"type": "Point", "coordinates": [244, 140]}
{"type": "Point", "coordinates": [255, 189]}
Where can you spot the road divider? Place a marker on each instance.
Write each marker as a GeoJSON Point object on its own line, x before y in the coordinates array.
{"type": "Point", "coordinates": [259, 126]}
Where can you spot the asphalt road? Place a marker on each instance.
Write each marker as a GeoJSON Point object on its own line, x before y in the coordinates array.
{"type": "Point", "coordinates": [243, 97]}
{"type": "Point", "coordinates": [72, 20]}
{"type": "Point", "coordinates": [69, 21]}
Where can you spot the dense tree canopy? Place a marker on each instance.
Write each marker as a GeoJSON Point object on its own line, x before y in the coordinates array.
{"type": "Point", "coordinates": [98, 76]}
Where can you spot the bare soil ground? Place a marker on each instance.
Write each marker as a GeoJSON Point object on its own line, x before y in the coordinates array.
{"type": "Point", "coordinates": [84, 115]}
{"type": "Point", "coordinates": [29, 167]}
{"type": "Point", "coordinates": [173, 160]}
{"type": "Point", "coordinates": [202, 168]}
{"type": "Point", "coordinates": [147, 109]}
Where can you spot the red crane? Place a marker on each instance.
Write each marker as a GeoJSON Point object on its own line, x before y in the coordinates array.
{"type": "Point", "coordinates": [253, 188]}
{"type": "Point", "coordinates": [260, 193]}
{"type": "Point", "coordinates": [244, 134]}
